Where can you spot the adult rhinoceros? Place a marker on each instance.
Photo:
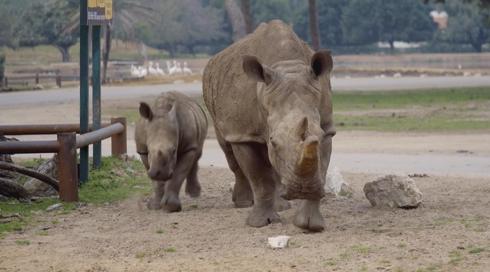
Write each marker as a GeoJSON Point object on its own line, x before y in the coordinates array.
{"type": "Point", "coordinates": [269, 95]}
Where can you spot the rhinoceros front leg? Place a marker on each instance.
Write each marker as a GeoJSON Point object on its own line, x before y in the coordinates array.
{"type": "Point", "coordinates": [309, 217]}
{"type": "Point", "coordinates": [171, 201]}
{"type": "Point", "coordinates": [242, 192]}
{"type": "Point", "coordinates": [261, 177]}
{"type": "Point", "coordinates": [158, 191]}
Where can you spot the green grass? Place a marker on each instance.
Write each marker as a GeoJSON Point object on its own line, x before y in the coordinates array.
{"type": "Point", "coordinates": [114, 181]}
{"type": "Point", "coordinates": [348, 101]}
{"type": "Point", "coordinates": [463, 109]}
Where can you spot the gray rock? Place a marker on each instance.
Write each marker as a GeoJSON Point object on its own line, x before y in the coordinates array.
{"type": "Point", "coordinates": [393, 191]}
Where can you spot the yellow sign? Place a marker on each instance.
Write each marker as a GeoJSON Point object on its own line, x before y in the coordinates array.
{"type": "Point", "coordinates": [99, 11]}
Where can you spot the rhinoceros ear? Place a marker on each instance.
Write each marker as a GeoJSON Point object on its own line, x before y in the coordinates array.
{"type": "Point", "coordinates": [321, 63]}
{"type": "Point", "coordinates": [254, 70]}
{"type": "Point", "coordinates": [145, 111]}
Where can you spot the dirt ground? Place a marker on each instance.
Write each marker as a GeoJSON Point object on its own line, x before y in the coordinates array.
{"type": "Point", "coordinates": [449, 232]}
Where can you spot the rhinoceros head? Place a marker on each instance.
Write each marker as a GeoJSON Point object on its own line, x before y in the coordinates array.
{"type": "Point", "coordinates": [290, 94]}
{"type": "Point", "coordinates": [161, 138]}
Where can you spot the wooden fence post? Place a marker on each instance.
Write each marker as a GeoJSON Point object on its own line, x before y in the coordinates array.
{"type": "Point", "coordinates": [118, 141]}
{"type": "Point", "coordinates": [67, 167]}
{"type": "Point", "coordinates": [37, 78]}
{"type": "Point", "coordinates": [58, 80]}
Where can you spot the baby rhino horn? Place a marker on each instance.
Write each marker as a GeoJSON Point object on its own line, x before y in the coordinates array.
{"type": "Point", "coordinates": [308, 162]}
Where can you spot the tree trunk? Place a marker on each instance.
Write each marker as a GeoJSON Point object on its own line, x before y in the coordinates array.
{"type": "Point", "coordinates": [392, 45]}
{"type": "Point", "coordinates": [478, 41]}
{"type": "Point", "coordinates": [247, 16]}
{"type": "Point", "coordinates": [236, 19]}
{"type": "Point", "coordinates": [65, 53]}
{"type": "Point", "coordinates": [107, 51]}
{"type": "Point", "coordinates": [9, 188]}
{"type": "Point", "coordinates": [314, 31]}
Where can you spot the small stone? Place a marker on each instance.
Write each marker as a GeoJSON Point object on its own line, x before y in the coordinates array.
{"type": "Point", "coordinates": [280, 241]}
{"type": "Point", "coordinates": [393, 191]}
{"type": "Point", "coordinates": [54, 207]}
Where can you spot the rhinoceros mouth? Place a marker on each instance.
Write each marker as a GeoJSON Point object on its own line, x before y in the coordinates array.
{"type": "Point", "coordinates": [298, 190]}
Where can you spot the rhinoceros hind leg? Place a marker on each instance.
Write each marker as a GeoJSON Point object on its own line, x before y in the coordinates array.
{"type": "Point", "coordinates": [261, 176]}
{"type": "Point", "coordinates": [192, 186]}
{"type": "Point", "coordinates": [309, 217]}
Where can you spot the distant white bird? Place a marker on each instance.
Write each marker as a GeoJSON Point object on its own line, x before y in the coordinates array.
{"type": "Point", "coordinates": [159, 70]}
{"type": "Point", "coordinates": [172, 70]}
{"type": "Point", "coordinates": [178, 69]}
{"type": "Point", "coordinates": [397, 75]}
{"type": "Point", "coordinates": [134, 71]}
{"type": "Point", "coordinates": [186, 70]}
{"type": "Point", "coordinates": [151, 70]}
{"type": "Point", "coordinates": [143, 71]}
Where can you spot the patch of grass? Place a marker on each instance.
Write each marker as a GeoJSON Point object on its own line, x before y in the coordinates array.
{"type": "Point", "coordinates": [24, 210]}
{"type": "Point", "coordinates": [42, 233]}
{"type": "Point", "coordinates": [160, 231]}
{"type": "Point", "coordinates": [430, 268]}
{"type": "Point", "coordinates": [477, 224]}
{"type": "Point", "coordinates": [23, 242]}
{"type": "Point", "coordinates": [476, 250]}
{"type": "Point", "coordinates": [170, 250]}
{"type": "Point", "coordinates": [455, 257]}
{"type": "Point", "coordinates": [114, 181]}
{"type": "Point", "coordinates": [418, 110]}
{"type": "Point", "coordinates": [359, 100]}
{"type": "Point", "coordinates": [140, 255]}
{"type": "Point", "coordinates": [436, 122]}
{"type": "Point", "coordinates": [361, 249]}
{"type": "Point", "coordinates": [402, 245]}
{"type": "Point", "coordinates": [331, 262]}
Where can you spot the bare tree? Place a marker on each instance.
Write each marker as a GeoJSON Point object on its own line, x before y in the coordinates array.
{"type": "Point", "coordinates": [313, 16]}
{"type": "Point", "coordinates": [247, 16]}
{"type": "Point", "coordinates": [236, 19]}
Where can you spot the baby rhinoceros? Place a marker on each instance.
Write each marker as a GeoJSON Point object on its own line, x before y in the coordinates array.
{"type": "Point", "coordinates": [169, 138]}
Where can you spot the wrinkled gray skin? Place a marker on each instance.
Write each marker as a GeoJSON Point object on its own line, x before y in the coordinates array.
{"type": "Point", "coordinates": [270, 97]}
{"type": "Point", "coordinates": [169, 138]}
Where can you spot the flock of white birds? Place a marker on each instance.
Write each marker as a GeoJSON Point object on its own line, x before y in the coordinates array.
{"type": "Point", "coordinates": [154, 69]}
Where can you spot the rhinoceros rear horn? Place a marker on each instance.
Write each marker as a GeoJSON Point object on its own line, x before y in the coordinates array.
{"type": "Point", "coordinates": [254, 70]}
{"type": "Point", "coordinates": [145, 111]}
{"type": "Point", "coordinates": [321, 63]}
{"type": "Point", "coordinates": [308, 162]}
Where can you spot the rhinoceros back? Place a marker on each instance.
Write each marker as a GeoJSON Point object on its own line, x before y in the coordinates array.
{"type": "Point", "coordinates": [230, 96]}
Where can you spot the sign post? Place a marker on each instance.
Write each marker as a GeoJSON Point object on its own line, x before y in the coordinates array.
{"type": "Point", "coordinates": [94, 14]}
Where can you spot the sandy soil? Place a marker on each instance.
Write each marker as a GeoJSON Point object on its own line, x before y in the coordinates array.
{"type": "Point", "coordinates": [449, 232]}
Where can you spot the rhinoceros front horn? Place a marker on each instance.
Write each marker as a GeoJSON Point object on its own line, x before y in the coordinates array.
{"type": "Point", "coordinates": [308, 162]}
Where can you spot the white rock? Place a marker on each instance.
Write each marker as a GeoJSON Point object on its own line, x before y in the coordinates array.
{"type": "Point", "coordinates": [336, 184]}
{"type": "Point", "coordinates": [54, 207]}
{"type": "Point", "coordinates": [280, 241]}
{"type": "Point", "coordinates": [393, 191]}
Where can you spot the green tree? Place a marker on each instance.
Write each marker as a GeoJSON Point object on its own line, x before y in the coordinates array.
{"type": "Point", "coordinates": [369, 21]}
{"type": "Point", "coordinates": [182, 24]}
{"type": "Point", "coordinates": [45, 24]}
{"type": "Point", "coordinates": [468, 23]}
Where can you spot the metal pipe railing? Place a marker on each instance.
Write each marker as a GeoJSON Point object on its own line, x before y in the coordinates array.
{"type": "Point", "coordinates": [99, 135]}
{"type": "Point", "coordinates": [66, 147]}
{"type": "Point", "coordinates": [24, 147]}
{"type": "Point", "coordinates": [33, 129]}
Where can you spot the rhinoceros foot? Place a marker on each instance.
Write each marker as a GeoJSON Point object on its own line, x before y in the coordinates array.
{"type": "Point", "coordinates": [171, 203]}
{"type": "Point", "coordinates": [260, 217]}
{"type": "Point", "coordinates": [309, 217]}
